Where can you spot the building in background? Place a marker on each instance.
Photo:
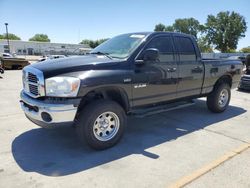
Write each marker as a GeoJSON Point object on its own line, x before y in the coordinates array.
{"type": "Point", "coordinates": [42, 48]}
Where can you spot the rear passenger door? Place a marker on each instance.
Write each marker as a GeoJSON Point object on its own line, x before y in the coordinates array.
{"type": "Point", "coordinates": [190, 68]}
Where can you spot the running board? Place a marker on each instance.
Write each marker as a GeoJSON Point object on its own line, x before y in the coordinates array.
{"type": "Point", "coordinates": [160, 109]}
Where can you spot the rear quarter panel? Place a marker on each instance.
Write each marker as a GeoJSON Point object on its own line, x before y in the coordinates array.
{"type": "Point", "coordinates": [215, 69]}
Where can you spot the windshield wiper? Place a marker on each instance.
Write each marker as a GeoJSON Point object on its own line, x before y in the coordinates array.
{"type": "Point", "coordinates": [102, 53]}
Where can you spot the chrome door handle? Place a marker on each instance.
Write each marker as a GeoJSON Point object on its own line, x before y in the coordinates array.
{"type": "Point", "coordinates": [171, 69]}
{"type": "Point", "coordinates": [197, 69]}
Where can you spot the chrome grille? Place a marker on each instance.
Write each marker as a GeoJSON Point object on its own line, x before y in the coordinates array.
{"type": "Point", "coordinates": [32, 77]}
{"type": "Point", "coordinates": [33, 82]}
{"type": "Point", "coordinates": [33, 89]}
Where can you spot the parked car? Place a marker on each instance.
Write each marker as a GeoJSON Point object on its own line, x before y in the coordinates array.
{"type": "Point", "coordinates": [241, 58]}
{"type": "Point", "coordinates": [131, 74]}
{"type": "Point", "coordinates": [245, 82]}
{"type": "Point", "coordinates": [7, 55]}
{"type": "Point", "coordinates": [245, 79]}
{"type": "Point", "coordinates": [10, 61]}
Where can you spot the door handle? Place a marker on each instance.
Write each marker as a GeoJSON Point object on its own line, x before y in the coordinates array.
{"type": "Point", "coordinates": [197, 69]}
{"type": "Point", "coordinates": [171, 69]}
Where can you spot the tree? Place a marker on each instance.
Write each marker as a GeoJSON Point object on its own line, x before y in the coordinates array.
{"type": "Point", "coordinates": [204, 46]}
{"type": "Point", "coordinates": [11, 36]}
{"type": "Point", "coordinates": [88, 42]}
{"type": "Point", "coordinates": [225, 29]}
{"type": "Point", "coordinates": [187, 25]}
{"type": "Point", "coordinates": [40, 38]}
{"type": "Point", "coordinates": [93, 43]}
{"type": "Point", "coordinates": [159, 27]}
{"type": "Point", "coordinates": [245, 50]}
{"type": "Point", "coordinates": [169, 28]}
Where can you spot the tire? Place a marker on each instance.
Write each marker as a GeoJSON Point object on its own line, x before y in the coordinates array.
{"type": "Point", "coordinates": [101, 124]}
{"type": "Point", "coordinates": [218, 100]}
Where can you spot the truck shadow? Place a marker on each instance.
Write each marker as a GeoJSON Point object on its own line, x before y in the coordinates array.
{"type": "Point", "coordinates": [58, 152]}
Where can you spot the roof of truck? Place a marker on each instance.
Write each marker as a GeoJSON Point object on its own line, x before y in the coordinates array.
{"type": "Point", "coordinates": [160, 32]}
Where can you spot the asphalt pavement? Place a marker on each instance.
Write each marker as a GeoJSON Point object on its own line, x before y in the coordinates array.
{"type": "Point", "coordinates": [186, 147]}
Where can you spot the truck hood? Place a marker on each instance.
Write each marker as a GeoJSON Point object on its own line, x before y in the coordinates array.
{"type": "Point", "coordinates": [74, 64]}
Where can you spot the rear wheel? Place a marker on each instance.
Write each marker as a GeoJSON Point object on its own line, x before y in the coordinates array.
{"type": "Point", "coordinates": [219, 99]}
{"type": "Point", "coordinates": [101, 124]}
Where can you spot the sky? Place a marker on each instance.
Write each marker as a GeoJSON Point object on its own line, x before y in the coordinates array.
{"type": "Point", "coordinates": [70, 21]}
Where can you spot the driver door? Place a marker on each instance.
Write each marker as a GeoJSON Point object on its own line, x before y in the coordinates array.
{"type": "Point", "coordinates": [156, 81]}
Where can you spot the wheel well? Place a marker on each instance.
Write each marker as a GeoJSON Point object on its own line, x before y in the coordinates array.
{"type": "Point", "coordinates": [224, 79]}
{"type": "Point", "coordinates": [115, 94]}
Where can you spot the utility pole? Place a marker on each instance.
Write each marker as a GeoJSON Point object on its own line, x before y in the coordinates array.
{"type": "Point", "coordinates": [7, 35]}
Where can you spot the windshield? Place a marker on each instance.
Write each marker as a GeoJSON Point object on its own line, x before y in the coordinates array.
{"type": "Point", "coordinates": [121, 46]}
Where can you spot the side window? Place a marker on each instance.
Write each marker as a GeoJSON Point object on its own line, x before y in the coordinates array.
{"type": "Point", "coordinates": [165, 47]}
{"type": "Point", "coordinates": [185, 48]}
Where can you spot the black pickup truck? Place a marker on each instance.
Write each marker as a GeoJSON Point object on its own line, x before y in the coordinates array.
{"type": "Point", "coordinates": [130, 74]}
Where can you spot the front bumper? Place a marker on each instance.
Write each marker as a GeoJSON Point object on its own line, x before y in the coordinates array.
{"type": "Point", "coordinates": [49, 114]}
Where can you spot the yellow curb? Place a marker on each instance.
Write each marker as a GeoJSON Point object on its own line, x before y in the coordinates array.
{"type": "Point", "coordinates": [241, 148]}
{"type": "Point", "coordinates": [203, 170]}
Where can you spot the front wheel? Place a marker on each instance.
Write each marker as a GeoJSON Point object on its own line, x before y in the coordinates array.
{"type": "Point", "coordinates": [101, 124]}
{"type": "Point", "coordinates": [219, 99]}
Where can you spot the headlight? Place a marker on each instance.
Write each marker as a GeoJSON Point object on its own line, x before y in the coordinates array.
{"type": "Point", "coordinates": [62, 86]}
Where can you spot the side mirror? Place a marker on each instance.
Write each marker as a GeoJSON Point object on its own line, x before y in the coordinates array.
{"type": "Point", "coordinates": [151, 54]}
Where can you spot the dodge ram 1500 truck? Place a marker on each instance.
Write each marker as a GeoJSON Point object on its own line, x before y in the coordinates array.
{"type": "Point", "coordinates": [130, 74]}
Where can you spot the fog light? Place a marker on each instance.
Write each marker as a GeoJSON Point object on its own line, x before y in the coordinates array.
{"type": "Point", "coordinates": [46, 117]}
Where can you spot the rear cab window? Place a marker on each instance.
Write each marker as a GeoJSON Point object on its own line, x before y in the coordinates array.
{"type": "Point", "coordinates": [185, 48]}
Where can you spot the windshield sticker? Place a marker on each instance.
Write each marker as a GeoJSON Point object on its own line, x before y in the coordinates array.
{"type": "Point", "coordinates": [137, 36]}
